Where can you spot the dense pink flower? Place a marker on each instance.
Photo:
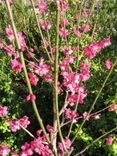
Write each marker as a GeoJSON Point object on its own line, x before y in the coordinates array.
{"type": "Point", "coordinates": [104, 43]}
{"type": "Point", "coordinates": [31, 64]}
{"type": "Point", "coordinates": [38, 145]}
{"type": "Point", "coordinates": [42, 69]}
{"type": "Point", "coordinates": [84, 66]}
{"type": "Point", "coordinates": [33, 79]}
{"type": "Point", "coordinates": [4, 150]}
{"type": "Point", "coordinates": [108, 64]}
{"type": "Point", "coordinates": [9, 49]}
{"type": "Point", "coordinates": [92, 50]}
{"type": "Point", "coordinates": [42, 6]}
{"type": "Point", "coordinates": [16, 54]}
{"type": "Point", "coordinates": [31, 97]}
{"type": "Point", "coordinates": [45, 26]}
{"type": "Point", "coordinates": [85, 27]}
{"type": "Point", "coordinates": [15, 124]}
{"type": "Point", "coordinates": [76, 32]}
{"type": "Point", "coordinates": [10, 33]}
{"type": "Point", "coordinates": [109, 141]}
{"type": "Point", "coordinates": [70, 114]}
{"type": "Point", "coordinates": [64, 22]}
{"type": "Point", "coordinates": [86, 14]}
{"type": "Point", "coordinates": [3, 111]}
{"type": "Point", "coordinates": [67, 51]}
{"type": "Point", "coordinates": [63, 33]}
{"type": "Point", "coordinates": [112, 107]}
{"type": "Point", "coordinates": [24, 121]}
{"type": "Point", "coordinates": [67, 143]}
{"type": "Point", "coordinates": [16, 66]}
{"type": "Point", "coordinates": [73, 99]}
{"type": "Point", "coordinates": [26, 150]}
{"type": "Point", "coordinates": [49, 78]}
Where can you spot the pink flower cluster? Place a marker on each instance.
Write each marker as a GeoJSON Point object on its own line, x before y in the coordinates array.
{"type": "Point", "coordinates": [108, 64]}
{"type": "Point", "coordinates": [17, 123]}
{"type": "Point", "coordinates": [109, 141]}
{"type": "Point", "coordinates": [42, 6]}
{"type": "Point", "coordinates": [3, 111]}
{"type": "Point", "coordinates": [67, 143]}
{"type": "Point", "coordinates": [112, 107]}
{"type": "Point", "coordinates": [45, 25]}
{"type": "Point", "coordinates": [94, 48]}
{"type": "Point", "coordinates": [71, 115]}
{"type": "Point", "coordinates": [4, 150]}
{"type": "Point", "coordinates": [16, 66]}
{"type": "Point", "coordinates": [21, 38]}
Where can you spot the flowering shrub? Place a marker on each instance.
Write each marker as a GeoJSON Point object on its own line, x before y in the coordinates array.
{"type": "Point", "coordinates": [66, 66]}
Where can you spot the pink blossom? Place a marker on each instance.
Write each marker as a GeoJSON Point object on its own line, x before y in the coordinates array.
{"type": "Point", "coordinates": [108, 64]}
{"type": "Point", "coordinates": [85, 27]}
{"type": "Point", "coordinates": [112, 107]}
{"type": "Point", "coordinates": [31, 64]}
{"type": "Point", "coordinates": [4, 150]}
{"type": "Point", "coordinates": [26, 150]}
{"type": "Point", "coordinates": [38, 145]}
{"type": "Point", "coordinates": [85, 75]}
{"type": "Point", "coordinates": [64, 22]}
{"type": "Point", "coordinates": [63, 33]}
{"type": "Point", "coordinates": [15, 124]}
{"type": "Point", "coordinates": [76, 32]}
{"type": "Point", "coordinates": [73, 99]}
{"type": "Point", "coordinates": [10, 33]}
{"type": "Point", "coordinates": [86, 116]}
{"type": "Point", "coordinates": [42, 6]}
{"type": "Point", "coordinates": [31, 97]}
{"type": "Point", "coordinates": [39, 132]}
{"type": "Point", "coordinates": [84, 66]}
{"type": "Point", "coordinates": [77, 17]}
{"type": "Point", "coordinates": [67, 143]}
{"type": "Point", "coordinates": [16, 66]}
{"type": "Point", "coordinates": [70, 114]}
{"type": "Point", "coordinates": [49, 78]}
{"type": "Point", "coordinates": [86, 14]}
{"type": "Point", "coordinates": [54, 49]}
{"type": "Point", "coordinates": [92, 50]}
{"type": "Point", "coordinates": [16, 54]}
{"type": "Point", "coordinates": [104, 43]}
{"type": "Point", "coordinates": [109, 141]}
{"type": "Point", "coordinates": [67, 51]}
{"type": "Point", "coordinates": [24, 122]}
{"type": "Point", "coordinates": [33, 79]}
{"type": "Point", "coordinates": [45, 26]}
{"type": "Point", "coordinates": [9, 49]}
{"type": "Point", "coordinates": [3, 111]}
{"type": "Point", "coordinates": [50, 128]}
{"type": "Point", "coordinates": [42, 69]}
